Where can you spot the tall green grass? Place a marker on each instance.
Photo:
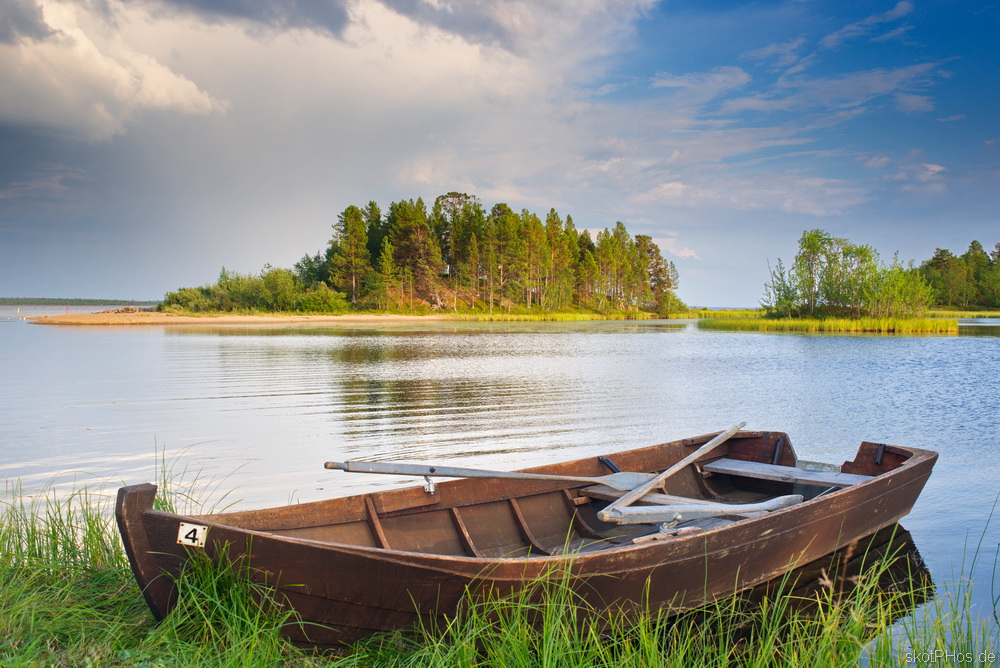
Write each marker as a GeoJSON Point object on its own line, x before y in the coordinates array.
{"type": "Point", "coordinates": [548, 624]}
{"type": "Point", "coordinates": [67, 598]}
{"type": "Point", "coordinates": [846, 325]}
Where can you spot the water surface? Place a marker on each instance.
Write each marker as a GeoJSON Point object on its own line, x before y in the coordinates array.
{"type": "Point", "coordinates": [260, 410]}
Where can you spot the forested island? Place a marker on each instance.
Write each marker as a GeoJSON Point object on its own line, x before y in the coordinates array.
{"type": "Point", "coordinates": [456, 256]}
{"type": "Point", "coordinates": [832, 277]}
{"type": "Point", "coordinates": [460, 257]}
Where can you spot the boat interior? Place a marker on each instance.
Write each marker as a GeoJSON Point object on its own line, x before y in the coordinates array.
{"type": "Point", "coordinates": [485, 518]}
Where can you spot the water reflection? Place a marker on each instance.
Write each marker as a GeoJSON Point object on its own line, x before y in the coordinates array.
{"type": "Point", "coordinates": [979, 327]}
{"type": "Point", "coordinates": [888, 560]}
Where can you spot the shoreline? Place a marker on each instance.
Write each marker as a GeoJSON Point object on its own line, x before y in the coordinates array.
{"type": "Point", "coordinates": [148, 318]}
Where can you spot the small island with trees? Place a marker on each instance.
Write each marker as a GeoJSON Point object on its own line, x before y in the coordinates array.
{"type": "Point", "coordinates": [460, 259]}
{"type": "Point", "coordinates": [457, 257]}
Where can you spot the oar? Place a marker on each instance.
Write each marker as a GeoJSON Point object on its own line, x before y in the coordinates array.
{"type": "Point", "coordinates": [623, 482]}
{"type": "Point", "coordinates": [612, 512]}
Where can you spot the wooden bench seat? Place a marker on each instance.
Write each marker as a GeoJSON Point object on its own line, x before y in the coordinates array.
{"type": "Point", "coordinates": [816, 477]}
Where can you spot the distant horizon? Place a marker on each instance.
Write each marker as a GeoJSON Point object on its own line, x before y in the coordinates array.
{"type": "Point", "coordinates": [80, 301]}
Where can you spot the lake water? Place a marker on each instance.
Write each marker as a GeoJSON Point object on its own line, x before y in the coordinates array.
{"type": "Point", "coordinates": [258, 411]}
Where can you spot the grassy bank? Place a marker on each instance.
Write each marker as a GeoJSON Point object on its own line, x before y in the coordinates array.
{"type": "Point", "coordinates": [67, 598]}
{"type": "Point", "coordinates": [847, 325]}
{"type": "Point", "coordinates": [499, 316]}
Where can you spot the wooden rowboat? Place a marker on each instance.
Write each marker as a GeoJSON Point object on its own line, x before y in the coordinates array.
{"type": "Point", "coordinates": [728, 512]}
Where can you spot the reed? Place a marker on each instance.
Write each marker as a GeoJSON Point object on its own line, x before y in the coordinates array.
{"type": "Point", "coordinates": [832, 325]}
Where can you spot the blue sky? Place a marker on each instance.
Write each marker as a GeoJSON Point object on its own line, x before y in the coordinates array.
{"type": "Point", "coordinates": [144, 145]}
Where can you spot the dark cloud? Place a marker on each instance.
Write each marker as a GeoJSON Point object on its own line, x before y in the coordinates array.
{"type": "Point", "coordinates": [21, 18]}
{"type": "Point", "coordinates": [327, 16]}
{"type": "Point", "coordinates": [475, 21]}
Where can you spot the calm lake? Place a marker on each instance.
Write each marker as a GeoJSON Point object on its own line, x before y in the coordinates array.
{"type": "Point", "coordinates": [256, 412]}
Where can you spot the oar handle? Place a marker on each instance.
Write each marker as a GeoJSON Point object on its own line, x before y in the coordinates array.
{"type": "Point", "coordinates": [397, 468]}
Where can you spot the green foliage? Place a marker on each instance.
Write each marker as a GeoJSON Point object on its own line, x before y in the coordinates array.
{"type": "Point", "coordinates": [350, 259]}
{"type": "Point", "coordinates": [832, 277]}
{"type": "Point", "coordinates": [273, 290]}
{"type": "Point", "coordinates": [459, 257]}
{"type": "Point", "coordinates": [967, 281]}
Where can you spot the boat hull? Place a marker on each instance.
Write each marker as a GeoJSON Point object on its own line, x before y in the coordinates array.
{"type": "Point", "coordinates": [342, 592]}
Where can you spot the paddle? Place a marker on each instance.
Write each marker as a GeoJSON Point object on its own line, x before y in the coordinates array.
{"type": "Point", "coordinates": [623, 482]}
{"type": "Point", "coordinates": [613, 512]}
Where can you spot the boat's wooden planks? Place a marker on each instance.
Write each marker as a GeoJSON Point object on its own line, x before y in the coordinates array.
{"type": "Point", "coordinates": [791, 474]}
{"type": "Point", "coordinates": [494, 530]}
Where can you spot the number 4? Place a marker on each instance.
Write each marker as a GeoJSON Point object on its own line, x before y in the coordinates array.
{"type": "Point", "coordinates": [192, 535]}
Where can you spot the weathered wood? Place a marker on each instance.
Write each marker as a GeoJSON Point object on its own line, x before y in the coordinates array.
{"type": "Point", "coordinates": [375, 525]}
{"type": "Point", "coordinates": [623, 480]}
{"type": "Point", "coordinates": [385, 560]}
{"type": "Point", "coordinates": [651, 499]}
{"type": "Point", "coordinates": [790, 474]}
{"type": "Point", "coordinates": [682, 512]}
{"type": "Point", "coordinates": [609, 513]}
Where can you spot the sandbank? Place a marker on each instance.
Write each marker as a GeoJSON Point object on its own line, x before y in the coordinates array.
{"type": "Point", "coordinates": [113, 318]}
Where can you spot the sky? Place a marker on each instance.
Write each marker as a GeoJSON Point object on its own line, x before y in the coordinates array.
{"type": "Point", "coordinates": [144, 145]}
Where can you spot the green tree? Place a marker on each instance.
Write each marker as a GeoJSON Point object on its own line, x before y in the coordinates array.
{"type": "Point", "coordinates": [351, 260]}
{"type": "Point", "coordinates": [831, 276]}
{"type": "Point", "coordinates": [377, 229]}
{"type": "Point", "coordinates": [781, 293]}
{"type": "Point", "coordinates": [814, 248]}
{"type": "Point", "coordinates": [949, 277]}
{"type": "Point", "coordinates": [977, 263]}
{"type": "Point", "coordinates": [388, 276]}
{"type": "Point", "coordinates": [416, 250]}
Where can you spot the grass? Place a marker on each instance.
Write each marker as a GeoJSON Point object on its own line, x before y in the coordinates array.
{"type": "Point", "coordinates": [962, 314]}
{"type": "Point", "coordinates": [848, 325]}
{"type": "Point", "coordinates": [502, 316]}
{"type": "Point", "coordinates": [728, 314]}
{"type": "Point", "coordinates": [67, 598]}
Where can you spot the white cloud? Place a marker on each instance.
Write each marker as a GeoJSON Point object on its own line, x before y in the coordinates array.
{"type": "Point", "coordinates": [916, 176]}
{"type": "Point", "coordinates": [672, 246]}
{"type": "Point", "coordinates": [865, 26]}
{"type": "Point", "coordinates": [48, 181]}
{"type": "Point", "coordinates": [781, 55]}
{"type": "Point", "coordinates": [82, 80]}
{"type": "Point", "coordinates": [877, 162]}
{"type": "Point", "coordinates": [911, 104]}
{"type": "Point", "coordinates": [843, 92]}
{"type": "Point", "coordinates": [717, 80]}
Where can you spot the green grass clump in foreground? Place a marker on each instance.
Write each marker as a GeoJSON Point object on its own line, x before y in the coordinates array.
{"type": "Point", "coordinates": [848, 325]}
{"type": "Point", "coordinates": [67, 598]}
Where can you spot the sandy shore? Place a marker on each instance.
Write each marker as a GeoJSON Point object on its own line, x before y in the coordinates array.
{"type": "Point", "coordinates": [112, 318]}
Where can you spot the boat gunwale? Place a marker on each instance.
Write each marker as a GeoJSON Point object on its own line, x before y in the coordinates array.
{"type": "Point", "coordinates": [916, 457]}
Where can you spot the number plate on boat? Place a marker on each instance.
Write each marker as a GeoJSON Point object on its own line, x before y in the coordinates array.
{"type": "Point", "coordinates": [192, 535]}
